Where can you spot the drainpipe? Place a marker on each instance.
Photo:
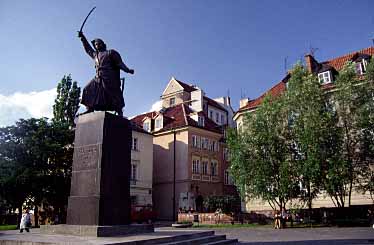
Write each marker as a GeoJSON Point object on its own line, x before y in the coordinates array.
{"type": "Point", "coordinates": [174, 141]}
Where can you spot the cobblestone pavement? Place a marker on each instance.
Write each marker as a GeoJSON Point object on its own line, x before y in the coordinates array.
{"type": "Point", "coordinates": [298, 236]}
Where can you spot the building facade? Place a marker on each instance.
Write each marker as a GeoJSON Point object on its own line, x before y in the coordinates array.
{"type": "Point", "coordinates": [189, 148]}
{"type": "Point", "coordinates": [326, 72]}
{"type": "Point", "coordinates": [141, 168]}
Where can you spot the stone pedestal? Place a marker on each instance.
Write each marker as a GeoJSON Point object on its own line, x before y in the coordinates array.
{"type": "Point", "coordinates": [100, 183]}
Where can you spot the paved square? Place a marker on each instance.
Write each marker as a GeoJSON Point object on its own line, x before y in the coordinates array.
{"type": "Point", "coordinates": [296, 236]}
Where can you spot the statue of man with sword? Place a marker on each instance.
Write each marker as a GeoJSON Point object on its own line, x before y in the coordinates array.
{"type": "Point", "coordinates": [103, 92]}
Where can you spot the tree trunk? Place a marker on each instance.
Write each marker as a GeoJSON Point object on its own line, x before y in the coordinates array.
{"type": "Point", "coordinates": [350, 190]}
{"type": "Point", "coordinates": [309, 203]}
{"type": "Point", "coordinates": [36, 216]}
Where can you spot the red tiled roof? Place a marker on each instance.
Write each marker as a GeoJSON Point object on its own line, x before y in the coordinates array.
{"type": "Point", "coordinates": [177, 117]}
{"type": "Point", "coordinates": [275, 91]}
{"type": "Point", "coordinates": [214, 103]}
{"type": "Point", "coordinates": [186, 87]}
{"type": "Point", "coordinates": [339, 62]}
{"type": "Point", "coordinates": [138, 120]}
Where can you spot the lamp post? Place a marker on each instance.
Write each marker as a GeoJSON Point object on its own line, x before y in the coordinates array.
{"type": "Point", "coordinates": [174, 168]}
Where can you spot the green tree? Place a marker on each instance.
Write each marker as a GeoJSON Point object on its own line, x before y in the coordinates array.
{"type": "Point", "coordinates": [350, 98]}
{"type": "Point", "coordinates": [366, 124]}
{"type": "Point", "coordinates": [309, 126]}
{"type": "Point", "coordinates": [22, 157]}
{"type": "Point", "coordinates": [260, 155]}
{"type": "Point", "coordinates": [67, 101]}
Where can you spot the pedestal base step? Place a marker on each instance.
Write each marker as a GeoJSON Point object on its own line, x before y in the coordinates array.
{"type": "Point", "coordinates": [97, 231]}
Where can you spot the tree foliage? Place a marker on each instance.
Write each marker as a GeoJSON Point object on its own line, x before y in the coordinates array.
{"type": "Point", "coordinates": [36, 154]}
{"type": "Point", "coordinates": [67, 101]}
{"type": "Point", "coordinates": [260, 155]}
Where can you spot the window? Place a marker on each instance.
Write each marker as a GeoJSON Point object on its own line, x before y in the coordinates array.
{"type": "Point", "coordinates": [135, 144]}
{"type": "Point", "coordinates": [158, 123]}
{"type": "Point", "coordinates": [204, 167]}
{"type": "Point", "coordinates": [227, 178]}
{"type": "Point", "coordinates": [213, 168]}
{"type": "Point", "coordinates": [203, 143]}
{"type": "Point", "coordinates": [195, 141]}
{"type": "Point", "coordinates": [222, 119]}
{"type": "Point", "coordinates": [217, 117]}
{"type": "Point", "coordinates": [216, 147]}
{"type": "Point", "coordinates": [134, 173]}
{"type": "Point", "coordinates": [211, 115]}
{"type": "Point", "coordinates": [361, 67]}
{"type": "Point", "coordinates": [201, 121]}
{"type": "Point", "coordinates": [172, 101]}
{"type": "Point", "coordinates": [134, 200]}
{"type": "Point", "coordinates": [195, 166]}
{"type": "Point", "coordinates": [325, 77]}
{"type": "Point", "coordinates": [146, 126]}
{"type": "Point", "coordinates": [212, 145]}
{"type": "Point", "coordinates": [226, 154]}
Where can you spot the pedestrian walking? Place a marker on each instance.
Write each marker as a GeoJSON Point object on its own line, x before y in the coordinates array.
{"type": "Point", "coordinates": [25, 221]}
{"type": "Point", "coordinates": [277, 220]}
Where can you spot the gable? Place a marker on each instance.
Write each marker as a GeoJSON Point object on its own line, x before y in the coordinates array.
{"type": "Point", "coordinates": [172, 87]}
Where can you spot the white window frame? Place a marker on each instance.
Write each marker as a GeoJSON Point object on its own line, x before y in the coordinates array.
{"type": "Point", "coordinates": [217, 117]}
{"type": "Point", "coordinates": [135, 145]}
{"type": "Point", "coordinates": [172, 100]}
{"type": "Point", "coordinates": [214, 168]}
{"type": "Point", "coordinates": [158, 122]}
{"type": "Point", "coordinates": [204, 167]}
{"type": "Point", "coordinates": [325, 77]}
{"type": "Point", "coordinates": [194, 141]}
{"type": "Point", "coordinates": [201, 121]}
{"type": "Point", "coordinates": [223, 119]}
{"type": "Point", "coordinates": [195, 166]}
{"type": "Point", "coordinates": [147, 126]}
{"type": "Point", "coordinates": [134, 171]}
{"type": "Point", "coordinates": [362, 67]}
{"type": "Point", "coordinates": [227, 178]}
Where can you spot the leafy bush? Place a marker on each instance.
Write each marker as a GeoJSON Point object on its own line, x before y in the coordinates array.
{"type": "Point", "coordinates": [228, 204]}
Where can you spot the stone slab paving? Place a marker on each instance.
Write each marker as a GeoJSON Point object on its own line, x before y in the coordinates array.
{"type": "Point", "coordinates": [296, 236]}
{"type": "Point", "coordinates": [35, 237]}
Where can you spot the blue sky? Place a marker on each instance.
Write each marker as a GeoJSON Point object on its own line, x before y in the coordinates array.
{"type": "Point", "coordinates": [236, 47]}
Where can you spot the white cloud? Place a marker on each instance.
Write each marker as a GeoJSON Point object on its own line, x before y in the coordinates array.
{"type": "Point", "coordinates": [157, 106]}
{"type": "Point", "coordinates": [26, 105]}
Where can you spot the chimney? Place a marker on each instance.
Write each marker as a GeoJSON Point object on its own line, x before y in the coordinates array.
{"type": "Point", "coordinates": [311, 63]}
{"type": "Point", "coordinates": [243, 102]}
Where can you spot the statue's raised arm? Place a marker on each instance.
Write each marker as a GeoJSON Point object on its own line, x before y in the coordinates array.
{"type": "Point", "coordinates": [87, 47]}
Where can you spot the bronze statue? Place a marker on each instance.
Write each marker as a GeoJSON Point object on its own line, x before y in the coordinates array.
{"type": "Point", "coordinates": [103, 93]}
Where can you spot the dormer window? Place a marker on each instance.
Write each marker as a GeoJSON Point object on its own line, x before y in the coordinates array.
{"type": "Point", "coordinates": [201, 121]}
{"type": "Point", "coordinates": [361, 67]}
{"type": "Point", "coordinates": [325, 77]}
{"type": "Point", "coordinates": [147, 126]}
{"type": "Point", "coordinates": [172, 101]}
{"type": "Point", "coordinates": [158, 123]}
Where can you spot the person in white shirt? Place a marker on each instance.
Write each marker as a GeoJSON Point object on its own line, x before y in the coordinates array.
{"type": "Point", "coordinates": [25, 221]}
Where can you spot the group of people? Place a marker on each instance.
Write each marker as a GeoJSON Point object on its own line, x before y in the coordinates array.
{"type": "Point", "coordinates": [280, 219]}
